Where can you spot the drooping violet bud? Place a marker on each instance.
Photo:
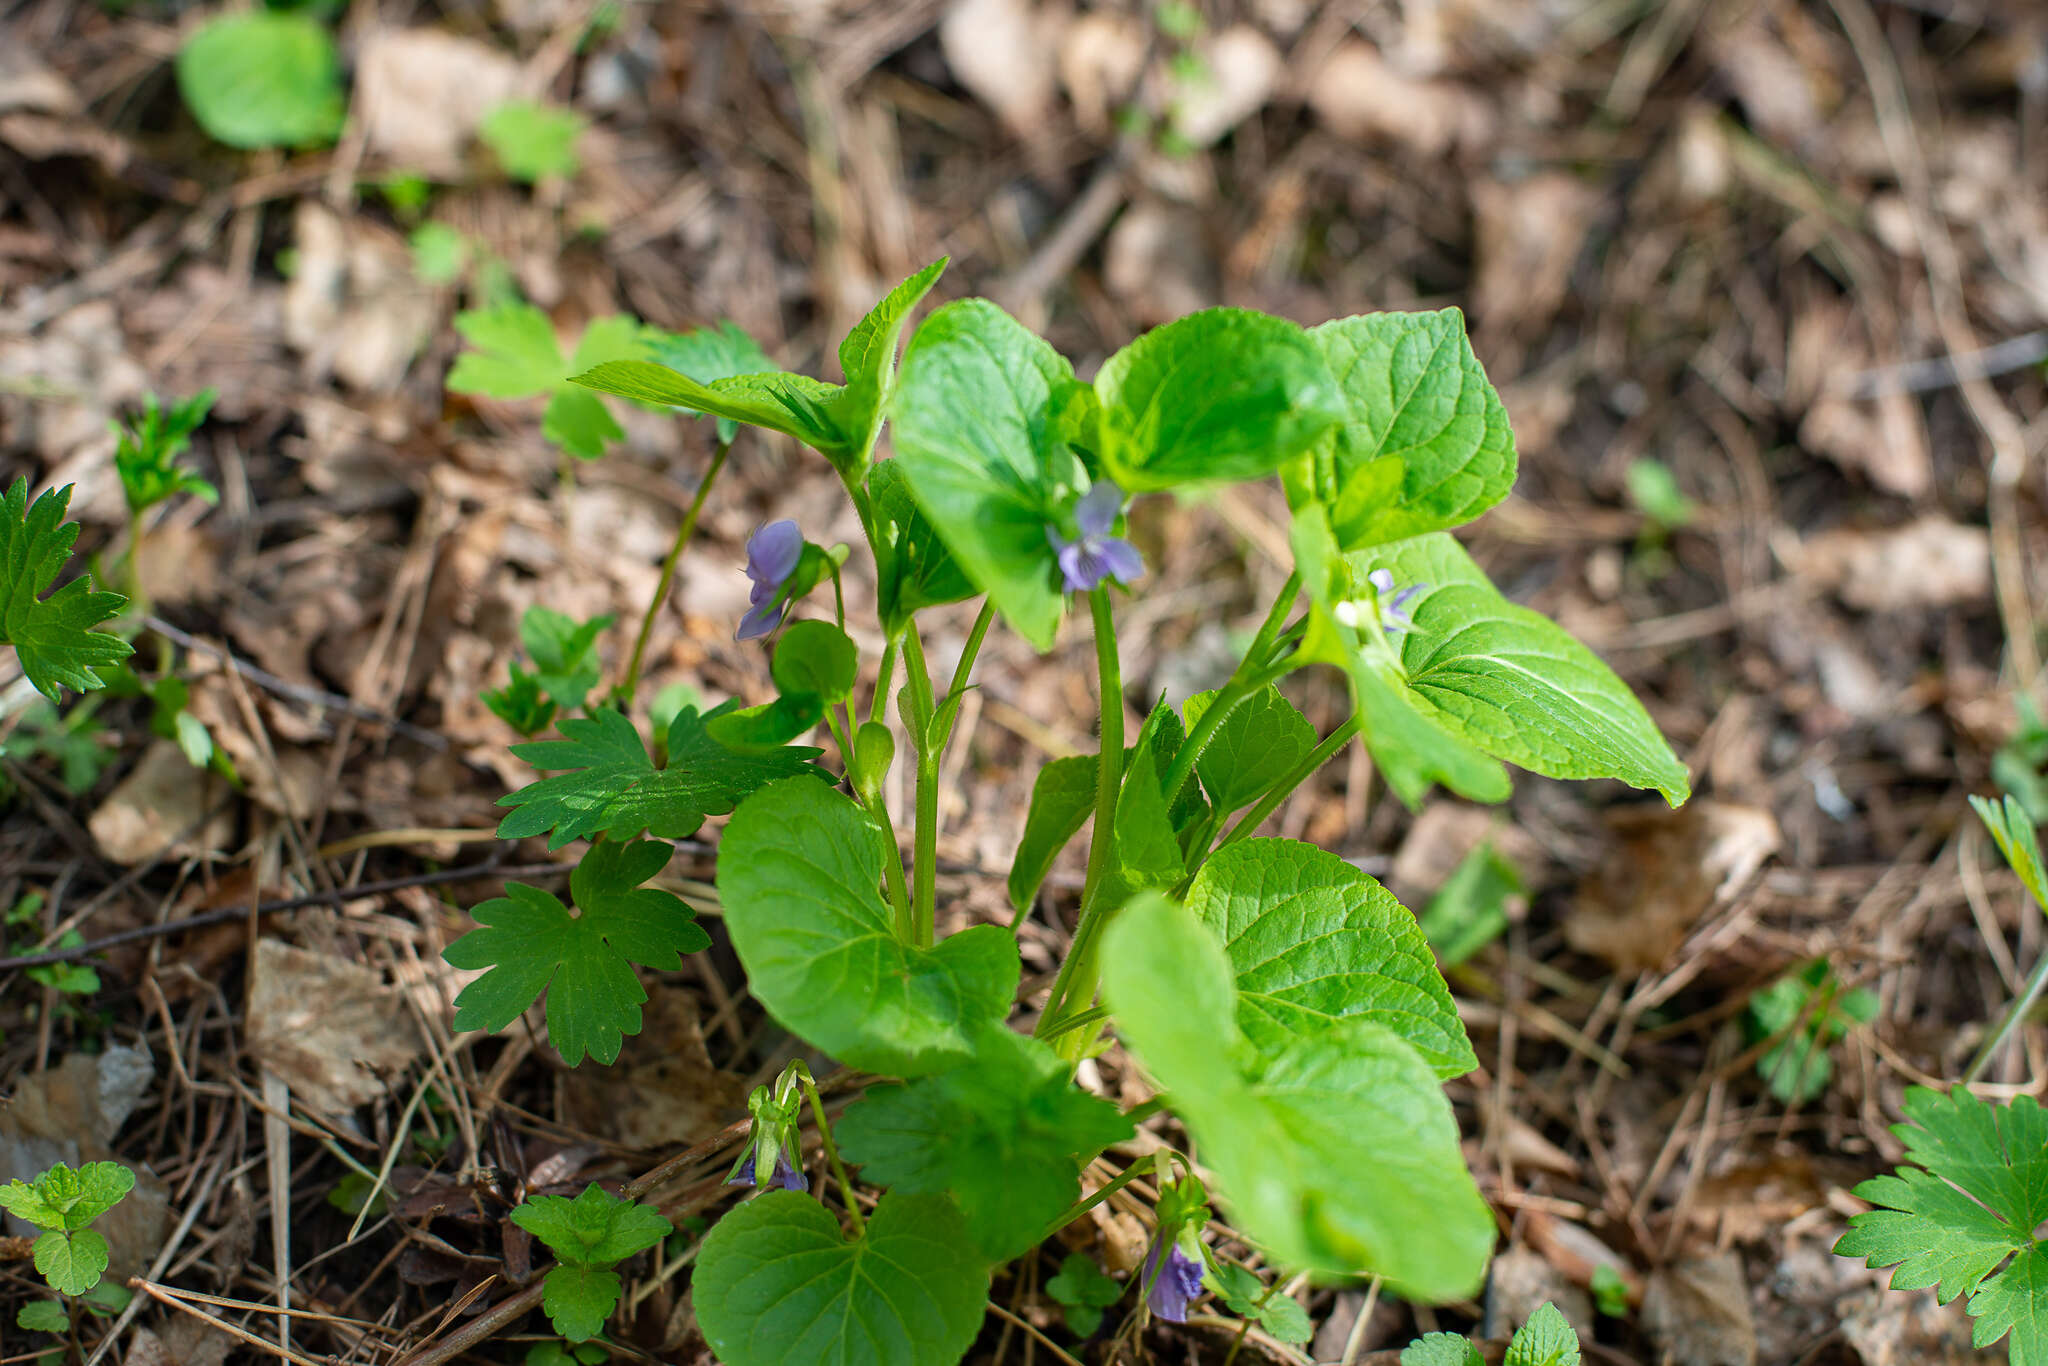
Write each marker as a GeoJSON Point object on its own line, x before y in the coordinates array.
{"type": "Point", "coordinates": [1394, 615]}
{"type": "Point", "coordinates": [1095, 554]}
{"type": "Point", "coordinates": [1170, 1288]}
{"type": "Point", "coordinates": [773, 553]}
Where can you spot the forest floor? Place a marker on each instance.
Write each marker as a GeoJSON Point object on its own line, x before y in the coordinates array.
{"type": "Point", "coordinates": [1734, 264]}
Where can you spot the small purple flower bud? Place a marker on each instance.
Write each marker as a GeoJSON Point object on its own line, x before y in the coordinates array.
{"type": "Point", "coordinates": [1094, 555]}
{"type": "Point", "coordinates": [1393, 606]}
{"type": "Point", "coordinates": [1170, 1288]}
{"type": "Point", "coordinates": [773, 553]}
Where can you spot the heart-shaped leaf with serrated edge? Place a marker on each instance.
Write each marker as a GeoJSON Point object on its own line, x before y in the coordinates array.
{"type": "Point", "coordinates": [1216, 397]}
{"type": "Point", "coordinates": [1441, 1349]}
{"type": "Point", "coordinates": [1312, 940]}
{"type": "Point", "coordinates": [1547, 1339]}
{"type": "Point", "coordinates": [777, 1283]}
{"type": "Point", "coordinates": [1261, 742]}
{"type": "Point", "coordinates": [1425, 443]}
{"type": "Point", "coordinates": [799, 868]}
{"type": "Point", "coordinates": [1005, 1135]}
{"type": "Point", "coordinates": [978, 433]}
{"type": "Point", "coordinates": [1510, 681]}
{"type": "Point", "coordinates": [71, 1260]}
{"type": "Point", "coordinates": [1330, 1154]}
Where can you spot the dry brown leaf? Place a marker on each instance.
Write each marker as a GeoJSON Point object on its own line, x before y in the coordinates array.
{"type": "Point", "coordinates": [163, 807]}
{"type": "Point", "coordinates": [1006, 53]}
{"type": "Point", "coordinates": [334, 1030]}
{"type": "Point", "coordinates": [663, 1090]}
{"type": "Point", "coordinates": [1697, 1312]}
{"type": "Point", "coordinates": [1662, 874]}
{"type": "Point", "coordinates": [1931, 562]}
{"type": "Point", "coordinates": [1529, 235]}
{"type": "Point", "coordinates": [1522, 1281]}
{"type": "Point", "coordinates": [1102, 54]}
{"type": "Point", "coordinates": [421, 92]}
{"type": "Point", "coordinates": [1157, 263]}
{"type": "Point", "coordinates": [354, 307]}
{"type": "Point", "coordinates": [80, 361]}
{"type": "Point", "coordinates": [1361, 97]}
{"type": "Point", "coordinates": [1241, 71]}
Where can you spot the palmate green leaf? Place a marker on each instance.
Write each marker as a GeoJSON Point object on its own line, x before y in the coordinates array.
{"type": "Point", "coordinates": [1062, 798]}
{"type": "Point", "coordinates": [596, 1228]}
{"type": "Point", "coordinates": [1312, 940]}
{"type": "Point", "coordinates": [1216, 397]}
{"type": "Point", "coordinates": [778, 1283]}
{"type": "Point", "coordinates": [529, 944]}
{"type": "Point", "coordinates": [799, 868]}
{"type": "Point", "coordinates": [711, 353]}
{"type": "Point", "coordinates": [1262, 741]}
{"type": "Point", "coordinates": [53, 636]}
{"type": "Point", "coordinates": [1411, 751]}
{"type": "Point", "coordinates": [564, 665]}
{"type": "Point", "coordinates": [576, 419]}
{"type": "Point", "coordinates": [1441, 1349]}
{"type": "Point", "coordinates": [1424, 445]}
{"type": "Point", "coordinates": [978, 432]}
{"type": "Point", "coordinates": [1511, 682]}
{"type": "Point", "coordinates": [613, 788]}
{"type": "Point", "coordinates": [1979, 1191]}
{"type": "Point", "coordinates": [914, 570]}
{"type": "Point", "coordinates": [515, 355]}
{"type": "Point", "coordinates": [263, 78]}
{"type": "Point", "coordinates": [1337, 1154]}
{"type": "Point", "coordinates": [2012, 828]}
{"type": "Point", "coordinates": [1546, 1339]}
{"type": "Point", "coordinates": [71, 1260]}
{"type": "Point", "coordinates": [1006, 1135]}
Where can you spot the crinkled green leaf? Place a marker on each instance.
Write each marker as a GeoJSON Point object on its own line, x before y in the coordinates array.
{"type": "Point", "coordinates": [1312, 940]}
{"type": "Point", "coordinates": [1441, 1349]}
{"type": "Point", "coordinates": [596, 1228]}
{"type": "Point", "coordinates": [52, 636]}
{"type": "Point", "coordinates": [799, 871]}
{"type": "Point", "coordinates": [613, 788]}
{"type": "Point", "coordinates": [1331, 1153]}
{"type": "Point", "coordinates": [978, 432]}
{"type": "Point", "coordinates": [778, 1283]}
{"type": "Point", "coordinates": [1546, 1339]}
{"type": "Point", "coordinates": [1062, 798]}
{"type": "Point", "coordinates": [530, 943]}
{"type": "Point", "coordinates": [578, 1299]}
{"type": "Point", "coordinates": [263, 78]}
{"type": "Point", "coordinates": [1424, 445]}
{"type": "Point", "coordinates": [67, 1197]}
{"type": "Point", "coordinates": [914, 570]}
{"type": "Point", "coordinates": [1975, 1197]}
{"type": "Point", "coordinates": [71, 1260]}
{"type": "Point", "coordinates": [43, 1316]}
{"type": "Point", "coordinates": [1006, 1135]}
{"type": "Point", "coordinates": [1262, 741]}
{"type": "Point", "coordinates": [1218, 396]}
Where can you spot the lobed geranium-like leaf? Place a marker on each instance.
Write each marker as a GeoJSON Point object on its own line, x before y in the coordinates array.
{"type": "Point", "coordinates": [1973, 1201]}
{"type": "Point", "coordinates": [613, 788]}
{"type": "Point", "coordinates": [1006, 1135]}
{"type": "Point", "coordinates": [799, 869]}
{"type": "Point", "coordinates": [1424, 445]}
{"type": "Point", "coordinates": [596, 1228]}
{"type": "Point", "coordinates": [1337, 1154]}
{"type": "Point", "coordinates": [43, 1316]}
{"type": "Point", "coordinates": [706, 354]}
{"type": "Point", "coordinates": [53, 636]}
{"type": "Point", "coordinates": [529, 943]}
{"type": "Point", "coordinates": [1313, 940]}
{"type": "Point", "coordinates": [979, 434]}
{"type": "Point", "coordinates": [1218, 396]}
{"type": "Point", "coordinates": [515, 355]}
{"type": "Point", "coordinates": [532, 140]}
{"type": "Point", "coordinates": [777, 1283]}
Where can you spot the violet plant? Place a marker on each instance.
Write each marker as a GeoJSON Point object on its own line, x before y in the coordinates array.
{"type": "Point", "coordinates": [1286, 1006]}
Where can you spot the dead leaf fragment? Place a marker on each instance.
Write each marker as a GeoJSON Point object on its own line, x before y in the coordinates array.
{"type": "Point", "coordinates": [421, 92]}
{"type": "Point", "coordinates": [1157, 263]}
{"type": "Point", "coordinates": [353, 306]}
{"type": "Point", "coordinates": [663, 1090]}
{"type": "Point", "coordinates": [1241, 69]}
{"type": "Point", "coordinates": [1698, 1313]}
{"type": "Point", "coordinates": [1006, 52]}
{"type": "Point", "coordinates": [165, 806]}
{"type": "Point", "coordinates": [1529, 233]}
{"type": "Point", "coordinates": [1663, 873]}
{"type": "Point", "coordinates": [1102, 54]}
{"type": "Point", "coordinates": [1363, 98]}
{"type": "Point", "coordinates": [1931, 562]}
{"type": "Point", "coordinates": [333, 1030]}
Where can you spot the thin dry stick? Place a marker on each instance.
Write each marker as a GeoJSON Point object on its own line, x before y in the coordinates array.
{"type": "Point", "coordinates": [165, 1295]}
{"type": "Point", "coordinates": [1028, 1327]}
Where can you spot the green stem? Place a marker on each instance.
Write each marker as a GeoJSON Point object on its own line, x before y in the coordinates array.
{"type": "Point", "coordinates": [1252, 673]}
{"type": "Point", "coordinates": [631, 682]}
{"type": "Point", "coordinates": [957, 691]}
{"type": "Point", "coordinates": [2014, 1013]}
{"type": "Point", "coordinates": [1077, 976]}
{"type": "Point", "coordinates": [925, 836]}
{"type": "Point", "coordinates": [1096, 1197]}
{"type": "Point", "coordinates": [878, 705]}
{"type": "Point", "coordinates": [860, 1225]}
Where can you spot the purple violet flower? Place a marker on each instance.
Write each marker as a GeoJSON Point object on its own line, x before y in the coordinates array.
{"type": "Point", "coordinates": [1170, 1288]}
{"type": "Point", "coordinates": [786, 1176]}
{"type": "Point", "coordinates": [772, 556]}
{"type": "Point", "coordinates": [1095, 554]}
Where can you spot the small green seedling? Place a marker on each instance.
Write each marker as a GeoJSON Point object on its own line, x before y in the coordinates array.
{"type": "Point", "coordinates": [2020, 767]}
{"type": "Point", "coordinates": [589, 1236]}
{"type": "Point", "coordinates": [1610, 1292]}
{"type": "Point", "coordinates": [515, 355]}
{"type": "Point", "coordinates": [532, 141]}
{"type": "Point", "coordinates": [1083, 1291]}
{"type": "Point", "coordinates": [146, 455]}
{"type": "Point", "coordinates": [439, 253]}
{"type": "Point", "coordinates": [1279, 1313]}
{"type": "Point", "coordinates": [1546, 1339]}
{"type": "Point", "coordinates": [1653, 488]}
{"type": "Point", "coordinates": [76, 741]}
{"type": "Point", "coordinates": [1811, 1011]}
{"type": "Point", "coordinates": [63, 1202]}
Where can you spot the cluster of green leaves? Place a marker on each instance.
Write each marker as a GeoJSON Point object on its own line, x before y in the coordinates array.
{"type": "Point", "coordinates": [589, 1236]}
{"type": "Point", "coordinates": [69, 979]}
{"type": "Point", "coordinates": [565, 668]}
{"type": "Point", "coordinates": [52, 636]}
{"type": "Point", "coordinates": [1289, 1009]}
{"type": "Point", "coordinates": [1546, 1339]}
{"type": "Point", "coordinates": [1805, 1012]}
{"type": "Point", "coordinates": [63, 1202]}
{"type": "Point", "coordinates": [146, 455]}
